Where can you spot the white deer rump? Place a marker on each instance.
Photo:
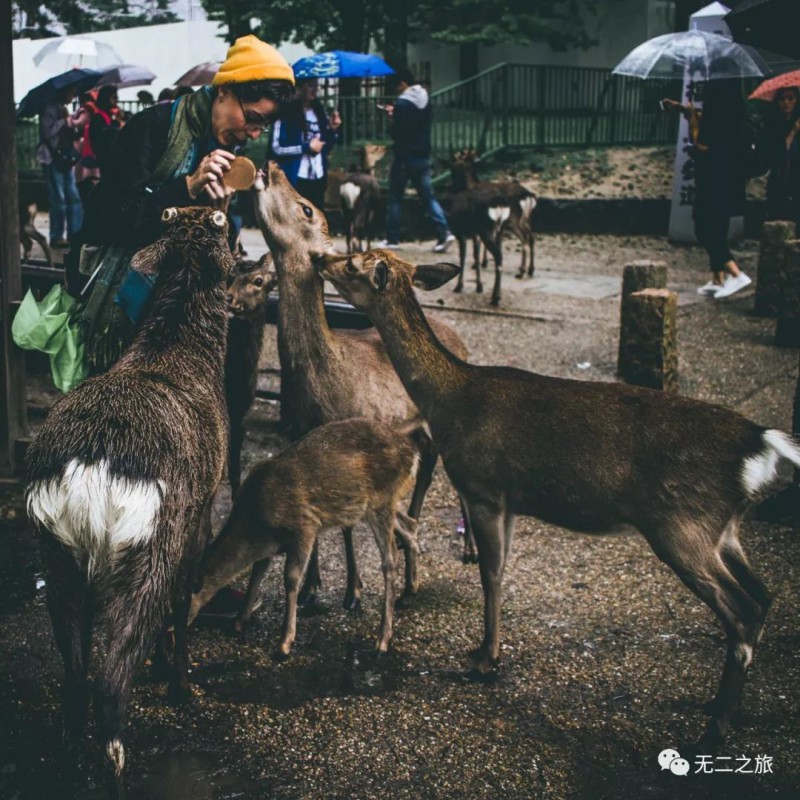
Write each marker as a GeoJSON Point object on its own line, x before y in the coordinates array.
{"type": "Point", "coordinates": [349, 193]}
{"type": "Point", "coordinates": [760, 470]}
{"type": "Point", "coordinates": [93, 511]}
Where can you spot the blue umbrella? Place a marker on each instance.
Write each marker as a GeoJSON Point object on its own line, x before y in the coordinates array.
{"type": "Point", "coordinates": [37, 98]}
{"type": "Point", "coordinates": [341, 64]}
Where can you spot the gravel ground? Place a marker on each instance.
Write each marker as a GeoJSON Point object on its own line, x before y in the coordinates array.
{"type": "Point", "coordinates": [606, 661]}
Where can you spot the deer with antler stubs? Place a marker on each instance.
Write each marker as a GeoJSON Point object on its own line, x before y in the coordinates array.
{"type": "Point", "coordinates": [593, 457]}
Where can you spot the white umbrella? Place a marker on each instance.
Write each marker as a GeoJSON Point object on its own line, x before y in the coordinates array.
{"type": "Point", "coordinates": [707, 56]}
{"type": "Point", "coordinates": [66, 52]}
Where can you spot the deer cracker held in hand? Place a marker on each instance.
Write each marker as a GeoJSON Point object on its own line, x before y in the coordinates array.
{"type": "Point", "coordinates": [336, 476]}
{"type": "Point", "coordinates": [122, 475]}
{"type": "Point", "coordinates": [588, 456]}
{"type": "Point", "coordinates": [327, 374]}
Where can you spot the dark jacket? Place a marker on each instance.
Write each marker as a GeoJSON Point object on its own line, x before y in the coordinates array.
{"type": "Point", "coordinates": [126, 206]}
{"type": "Point", "coordinates": [102, 132]}
{"type": "Point", "coordinates": [411, 124]}
{"type": "Point", "coordinates": [288, 147]}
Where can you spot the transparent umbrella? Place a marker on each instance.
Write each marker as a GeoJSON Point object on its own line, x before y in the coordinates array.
{"type": "Point", "coordinates": [75, 51]}
{"type": "Point", "coordinates": [707, 56]}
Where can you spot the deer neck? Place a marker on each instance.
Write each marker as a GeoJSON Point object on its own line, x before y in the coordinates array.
{"type": "Point", "coordinates": [304, 338]}
{"type": "Point", "coordinates": [430, 373]}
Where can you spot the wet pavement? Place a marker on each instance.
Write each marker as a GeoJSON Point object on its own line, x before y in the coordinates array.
{"type": "Point", "coordinates": [606, 660]}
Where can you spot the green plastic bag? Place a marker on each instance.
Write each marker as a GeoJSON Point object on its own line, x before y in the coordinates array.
{"type": "Point", "coordinates": [48, 326]}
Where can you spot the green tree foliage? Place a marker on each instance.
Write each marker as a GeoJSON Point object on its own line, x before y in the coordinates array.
{"type": "Point", "coordinates": [39, 19]}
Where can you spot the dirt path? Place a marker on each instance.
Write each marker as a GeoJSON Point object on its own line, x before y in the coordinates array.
{"type": "Point", "coordinates": [606, 657]}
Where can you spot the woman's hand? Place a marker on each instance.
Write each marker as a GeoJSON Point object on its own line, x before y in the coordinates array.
{"type": "Point", "coordinates": [209, 175]}
{"type": "Point", "coordinates": [316, 145]}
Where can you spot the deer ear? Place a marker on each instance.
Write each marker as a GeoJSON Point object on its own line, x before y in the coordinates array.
{"type": "Point", "coordinates": [380, 275]}
{"type": "Point", "coordinates": [148, 259]}
{"type": "Point", "coordinates": [432, 276]}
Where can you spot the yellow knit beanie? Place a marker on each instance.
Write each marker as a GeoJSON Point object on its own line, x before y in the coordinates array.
{"type": "Point", "coordinates": [250, 59]}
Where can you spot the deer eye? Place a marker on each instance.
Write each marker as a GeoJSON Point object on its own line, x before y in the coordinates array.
{"type": "Point", "coordinates": [259, 281]}
{"type": "Point", "coordinates": [307, 211]}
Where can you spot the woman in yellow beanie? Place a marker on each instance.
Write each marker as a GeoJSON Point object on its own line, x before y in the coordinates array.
{"type": "Point", "coordinates": [171, 154]}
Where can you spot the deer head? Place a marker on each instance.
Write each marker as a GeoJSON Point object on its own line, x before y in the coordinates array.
{"type": "Point", "coordinates": [378, 277]}
{"type": "Point", "coordinates": [249, 286]}
{"type": "Point", "coordinates": [289, 222]}
{"type": "Point", "coordinates": [195, 238]}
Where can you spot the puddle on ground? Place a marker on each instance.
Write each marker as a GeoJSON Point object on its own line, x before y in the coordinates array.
{"type": "Point", "coordinates": [183, 776]}
{"type": "Point", "coordinates": [359, 672]}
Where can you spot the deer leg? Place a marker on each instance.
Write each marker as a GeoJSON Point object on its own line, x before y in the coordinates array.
{"type": "Point", "coordinates": [476, 252]}
{"type": "Point", "coordinates": [470, 554]}
{"type": "Point", "coordinates": [427, 463]}
{"type": "Point", "coordinates": [41, 241]}
{"type": "Point", "coordinates": [256, 576]}
{"type": "Point", "coordinates": [297, 560]}
{"type": "Point", "coordinates": [134, 618]}
{"type": "Point", "coordinates": [497, 255]}
{"type": "Point", "coordinates": [531, 247]}
{"type": "Point", "coordinates": [352, 597]}
{"type": "Point", "coordinates": [488, 526]}
{"type": "Point", "coordinates": [70, 606]}
{"type": "Point", "coordinates": [478, 280]}
{"type": "Point", "coordinates": [309, 597]}
{"type": "Point", "coordinates": [462, 257]}
{"type": "Point", "coordinates": [383, 525]}
{"type": "Point", "coordinates": [235, 456]}
{"type": "Point", "coordinates": [705, 571]}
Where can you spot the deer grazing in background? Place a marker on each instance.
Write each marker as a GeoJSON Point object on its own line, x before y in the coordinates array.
{"type": "Point", "coordinates": [593, 457]}
{"type": "Point", "coordinates": [478, 213]}
{"type": "Point", "coordinates": [360, 196]}
{"type": "Point", "coordinates": [249, 286]}
{"type": "Point", "coordinates": [121, 480]}
{"type": "Point", "coordinates": [28, 233]}
{"type": "Point", "coordinates": [327, 374]}
{"type": "Point", "coordinates": [522, 204]}
{"type": "Point", "coordinates": [336, 476]}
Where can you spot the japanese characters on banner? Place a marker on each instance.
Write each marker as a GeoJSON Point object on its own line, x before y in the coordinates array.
{"type": "Point", "coordinates": [681, 224]}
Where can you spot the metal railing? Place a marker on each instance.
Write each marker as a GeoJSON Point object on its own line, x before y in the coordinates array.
{"type": "Point", "coordinates": [507, 106]}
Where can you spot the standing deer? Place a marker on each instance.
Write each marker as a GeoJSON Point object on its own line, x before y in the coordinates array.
{"type": "Point", "coordinates": [592, 457]}
{"type": "Point", "coordinates": [360, 195]}
{"type": "Point", "coordinates": [327, 374]}
{"type": "Point", "coordinates": [121, 480]}
{"type": "Point", "coordinates": [522, 204]}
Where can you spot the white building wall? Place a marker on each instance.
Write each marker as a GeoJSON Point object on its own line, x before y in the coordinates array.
{"type": "Point", "coordinates": [167, 50]}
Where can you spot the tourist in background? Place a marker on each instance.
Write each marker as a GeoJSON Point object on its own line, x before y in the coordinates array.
{"type": "Point", "coordinates": [778, 150]}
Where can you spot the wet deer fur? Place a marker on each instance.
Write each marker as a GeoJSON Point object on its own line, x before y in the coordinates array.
{"type": "Point", "coordinates": [592, 457]}
{"type": "Point", "coordinates": [327, 374]}
{"type": "Point", "coordinates": [121, 478]}
{"type": "Point", "coordinates": [338, 475]}
{"type": "Point", "coordinates": [248, 288]}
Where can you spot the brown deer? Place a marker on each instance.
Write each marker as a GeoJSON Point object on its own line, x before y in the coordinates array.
{"type": "Point", "coordinates": [593, 457]}
{"type": "Point", "coordinates": [478, 213]}
{"type": "Point", "coordinates": [121, 480]}
{"type": "Point", "coordinates": [360, 194]}
{"type": "Point", "coordinates": [522, 204]}
{"type": "Point", "coordinates": [327, 374]}
{"type": "Point", "coordinates": [249, 286]}
{"type": "Point", "coordinates": [336, 476]}
{"type": "Point", "coordinates": [28, 233]}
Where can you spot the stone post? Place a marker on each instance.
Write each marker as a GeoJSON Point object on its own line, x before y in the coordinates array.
{"type": "Point", "coordinates": [648, 351]}
{"type": "Point", "coordinates": [787, 329]}
{"type": "Point", "coordinates": [770, 282]}
{"type": "Point", "coordinates": [636, 276]}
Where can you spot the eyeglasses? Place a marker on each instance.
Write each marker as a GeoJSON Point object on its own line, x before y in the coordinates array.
{"type": "Point", "coordinates": [252, 119]}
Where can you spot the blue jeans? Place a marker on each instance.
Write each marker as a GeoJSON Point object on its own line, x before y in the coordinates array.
{"type": "Point", "coordinates": [418, 171]}
{"type": "Point", "coordinates": [65, 202]}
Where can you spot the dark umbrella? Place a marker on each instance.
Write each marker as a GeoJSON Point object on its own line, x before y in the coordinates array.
{"type": "Point", "coordinates": [766, 24]}
{"type": "Point", "coordinates": [37, 98]}
{"type": "Point", "coordinates": [125, 75]}
{"type": "Point", "coordinates": [200, 74]}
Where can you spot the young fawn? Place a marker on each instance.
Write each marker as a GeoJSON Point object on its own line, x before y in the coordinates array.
{"type": "Point", "coordinates": [593, 457]}
{"type": "Point", "coordinates": [340, 474]}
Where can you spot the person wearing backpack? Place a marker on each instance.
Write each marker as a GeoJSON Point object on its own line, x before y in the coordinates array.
{"type": "Point", "coordinates": [57, 154]}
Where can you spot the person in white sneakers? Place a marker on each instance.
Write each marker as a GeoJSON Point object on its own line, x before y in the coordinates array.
{"type": "Point", "coordinates": [723, 148]}
{"type": "Point", "coordinates": [411, 132]}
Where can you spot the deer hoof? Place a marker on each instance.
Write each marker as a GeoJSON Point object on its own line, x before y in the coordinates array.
{"type": "Point", "coordinates": [482, 661]}
{"type": "Point", "coordinates": [352, 601]}
{"type": "Point", "coordinates": [469, 557]}
{"type": "Point", "coordinates": [280, 655]}
{"type": "Point", "coordinates": [520, 274]}
{"type": "Point", "coordinates": [458, 289]}
{"type": "Point", "coordinates": [479, 288]}
{"type": "Point", "coordinates": [496, 300]}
